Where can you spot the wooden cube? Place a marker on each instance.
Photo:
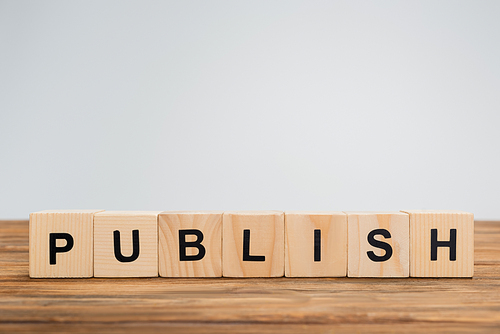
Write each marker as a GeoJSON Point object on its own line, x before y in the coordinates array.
{"type": "Point", "coordinates": [253, 244]}
{"type": "Point", "coordinates": [315, 244]}
{"type": "Point", "coordinates": [61, 243]}
{"type": "Point", "coordinates": [441, 243]}
{"type": "Point", "coordinates": [126, 244]}
{"type": "Point", "coordinates": [190, 244]}
{"type": "Point", "coordinates": [378, 244]}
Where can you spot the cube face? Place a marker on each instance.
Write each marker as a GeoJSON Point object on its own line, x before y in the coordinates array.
{"type": "Point", "coordinates": [441, 244]}
{"type": "Point", "coordinates": [61, 243]}
{"type": "Point", "coordinates": [253, 244]}
{"type": "Point", "coordinates": [315, 244]}
{"type": "Point", "coordinates": [378, 244]}
{"type": "Point", "coordinates": [190, 244]}
{"type": "Point", "coordinates": [126, 244]}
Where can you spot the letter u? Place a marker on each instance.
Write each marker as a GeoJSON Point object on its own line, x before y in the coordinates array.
{"type": "Point", "coordinates": [135, 243]}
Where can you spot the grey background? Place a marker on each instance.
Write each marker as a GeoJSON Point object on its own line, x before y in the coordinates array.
{"type": "Point", "coordinates": [249, 105]}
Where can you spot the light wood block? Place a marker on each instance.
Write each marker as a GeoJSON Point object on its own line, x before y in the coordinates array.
{"type": "Point", "coordinates": [431, 253]}
{"type": "Point", "coordinates": [253, 244]}
{"type": "Point", "coordinates": [315, 244]}
{"type": "Point", "coordinates": [190, 244]}
{"type": "Point", "coordinates": [126, 244]}
{"type": "Point", "coordinates": [61, 243]}
{"type": "Point", "coordinates": [378, 244]}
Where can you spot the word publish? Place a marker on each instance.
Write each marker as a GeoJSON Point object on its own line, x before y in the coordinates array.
{"type": "Point", "coordinates": [97, 243]}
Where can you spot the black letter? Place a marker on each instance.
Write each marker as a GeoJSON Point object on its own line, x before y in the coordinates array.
{"type": "Point", "coordinates": [53, 249]}
{"type": "Point", "coordinates": [379, 244]}
{"type": "Point", "coordinates": [183, 244]}
{"type": "Point", "coordinates": [317, 245]}
{"type": "Point", "coordinates": [246, 249]}
{"type": "Point", "coordinates": [452, 244]}
{"type": "Point", "coordinates": [135, 245]}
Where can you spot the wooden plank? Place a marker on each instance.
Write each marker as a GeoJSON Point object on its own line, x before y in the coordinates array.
{"type": "Point", "coordinates": [203, 257]}
{"type": "Point", "coordinates": [126, 244]}
{"type": "Point", "coordinates": [378, 244]}
{"type": "Point", "coordinates": [315, 244]}
{"type": "Point", "coordinates": [253, 244]}
{"type": "Point", "coordinates": [61, 243]}
{"type": "Point", "coordinates": [248, 305]}
{"type": "Point", "coordinates": [441, 243]}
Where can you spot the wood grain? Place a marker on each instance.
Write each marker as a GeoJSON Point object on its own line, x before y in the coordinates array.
{"type": "Point", "coordinates": [249, 305]}
{"type": "Point", "coordinates": [421, 223]}
{"type": "Point", "coordinates": [300, 258]}
{"type": "Point", "coordinates": [267, 239]}
{"type": "Point", "coordinates": [359, 225]}
{"type": "Point", "coordinates": [106, 263]}
{"type": "Point", "coordinates": [77, 262]}
{"type": "Point", "coordinates": [210, 224]}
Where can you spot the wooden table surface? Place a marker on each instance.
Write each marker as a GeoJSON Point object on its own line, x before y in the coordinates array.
{"type": "Point", "coordinates": [326, 305]}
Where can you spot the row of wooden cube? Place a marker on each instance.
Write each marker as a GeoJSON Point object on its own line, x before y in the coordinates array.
{"type": "Point", "coordinates": [88, 243]}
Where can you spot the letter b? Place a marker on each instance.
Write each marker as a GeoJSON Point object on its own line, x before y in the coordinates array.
{"type": "Point", "coordinates": [183, 244]}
